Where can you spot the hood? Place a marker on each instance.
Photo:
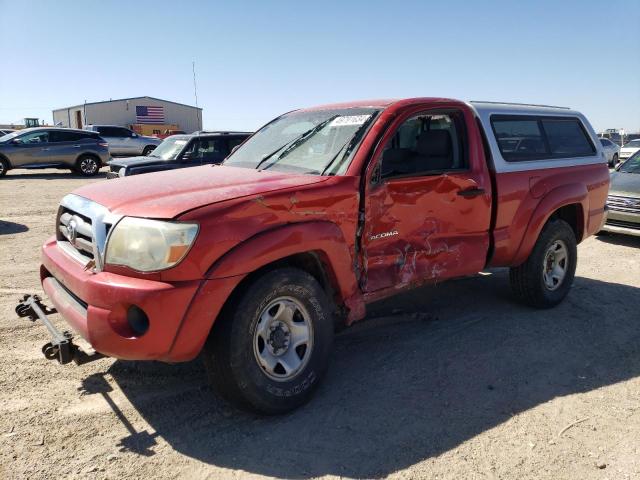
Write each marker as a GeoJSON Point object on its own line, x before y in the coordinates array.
{"type": "Point", "coordinates": [625, 184]}
{"type": "Point", "coordinates": [629, 149]}
{"type": "Point", "coordinates": [137, 161]}
{"type": "Point", "coordinates": [170, 193]}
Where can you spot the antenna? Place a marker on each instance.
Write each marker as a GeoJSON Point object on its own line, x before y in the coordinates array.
{"type": "Point", "coordinates": [195, 94]}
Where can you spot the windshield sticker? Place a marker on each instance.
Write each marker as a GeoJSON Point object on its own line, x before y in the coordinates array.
{"type": "Point", "coordinates": [349, 120]}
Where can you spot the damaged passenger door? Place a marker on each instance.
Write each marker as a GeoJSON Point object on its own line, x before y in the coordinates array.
{"type": "Point", "coordinates": [428, 201]}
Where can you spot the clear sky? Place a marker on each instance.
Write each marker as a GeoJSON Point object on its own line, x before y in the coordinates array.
{"type": "Point", "coordinates": [255, 60]}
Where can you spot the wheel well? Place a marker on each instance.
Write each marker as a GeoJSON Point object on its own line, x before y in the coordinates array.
{"type": "Point", "coordinates": [89, 154]}
{"type": "Point", "coordinates": [571, 214]}
{"type": "Point", "coordinates": [314, 263]}
{"type": "Point", "coordinates": [2, 157]}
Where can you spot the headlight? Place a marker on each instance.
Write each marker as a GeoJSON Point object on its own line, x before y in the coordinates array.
{"type": "Point", "coordinates": [122, 172]}
{"type": "Point", "coordinates": [149, 245]}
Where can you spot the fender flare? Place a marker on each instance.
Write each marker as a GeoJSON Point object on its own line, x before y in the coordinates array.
{"type": "Point", "coordinates": [573, 193]}
{"type": "Point", "coordinates": [323, 238]}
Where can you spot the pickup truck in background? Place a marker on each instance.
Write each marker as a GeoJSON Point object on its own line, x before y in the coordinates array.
{"type": "Point", "coordinates": [324, 210]}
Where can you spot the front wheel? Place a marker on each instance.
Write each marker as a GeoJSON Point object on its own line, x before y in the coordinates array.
{"type": "Point", "coordinates": [87, 166]}
{"type": "Point", "coordinates": [270, 346]}
{"type": "Point", "coordinates": [615, 161]}
{"type": "Point", "coordinates": [4, 167]}
{"type": "Point", "coordinates": [545, 278]}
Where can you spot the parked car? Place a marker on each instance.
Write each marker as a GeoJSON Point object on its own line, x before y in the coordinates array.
{"type": "Point", "coordinates": [180, 151]}
{"type": "Point", "coordinates": [611, 151]}
{"type": "Point", "coordinates": [124, 142]}
{"type": "Point", "coordinates": [319, 213]}
{"type": "Point", "coordinates": [6, 131]}
{"type": "Point", "coordinates": [623, 202]}
{"type": "Point", "coordinates": [629, 149]}
{"type": "Point", "coordinates": [47, 147]}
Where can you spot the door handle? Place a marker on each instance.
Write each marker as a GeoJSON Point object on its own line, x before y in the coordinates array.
{"type": "Point", "coordinates": [46, 149]}
{"type": "Point", "coordinates": [76, 146]}
{"type": "Point", "coordinates": [471, 192]}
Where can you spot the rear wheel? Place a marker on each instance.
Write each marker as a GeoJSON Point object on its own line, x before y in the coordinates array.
{"type": "Point", "coordinates": [147, 150]}
{"type": "Point", "coordinates": [270, 347]}
{"type": "Point", "coordinates": [4, 167]}
{"type": "Point", "coordinates": [545, 278]}
{"type": "Point", "coordinates": [87, 166]}
{"type": "Point", "coordinates": [615, 160]}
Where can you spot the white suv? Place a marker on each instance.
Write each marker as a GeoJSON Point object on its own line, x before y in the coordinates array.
{"type": "Point", "coordinates": [124, 142]}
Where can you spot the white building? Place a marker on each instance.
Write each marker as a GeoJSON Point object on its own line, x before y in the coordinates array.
{"type": "Point", "coordinates": [131, 111]}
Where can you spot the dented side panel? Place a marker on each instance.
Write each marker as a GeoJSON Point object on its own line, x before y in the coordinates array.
{"type": "Point", "coordinates": [421, 229]}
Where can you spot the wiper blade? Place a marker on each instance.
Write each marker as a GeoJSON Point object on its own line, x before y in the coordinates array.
{"type": "Point", "coordinates": [293, 144]}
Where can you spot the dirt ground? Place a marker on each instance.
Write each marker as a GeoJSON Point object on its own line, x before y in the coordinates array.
{"type": "Point", "coordinates": [454, 381]}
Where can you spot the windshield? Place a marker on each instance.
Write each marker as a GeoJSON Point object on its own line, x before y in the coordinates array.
{"type": "Point", "coordinates": [632, 144]}
{"type": "Point", "coordinates": [315, 142]}
{"type": "Point", "coordinates": [169, 149]}
{"type": "Point", "coordinates": [11, 135]}
{"type": "Point", "coordinates": [632, 165]}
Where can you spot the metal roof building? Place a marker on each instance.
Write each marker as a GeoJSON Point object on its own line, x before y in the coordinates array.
{"type": "Point", "coordinates": [126, 112]}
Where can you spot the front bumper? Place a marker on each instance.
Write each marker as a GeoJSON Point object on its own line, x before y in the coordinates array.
{"type": "Point", "coordinates": [95, 305]}
{"type": "Point", "coordinates": [622, 222]}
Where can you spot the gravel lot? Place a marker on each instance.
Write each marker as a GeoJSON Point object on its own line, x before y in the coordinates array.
{"type": "Point", "coordinates": [454, 381]}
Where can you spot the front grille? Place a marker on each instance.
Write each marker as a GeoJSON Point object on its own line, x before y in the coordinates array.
{"type": "Point", "coordinates": [623, 204]}
{"type": "Point", "coordinates": [82, 227]}
{"type": "Point", "coordinates": [620, 223]}
{"type": "Point", "coordinates": [76, 229]}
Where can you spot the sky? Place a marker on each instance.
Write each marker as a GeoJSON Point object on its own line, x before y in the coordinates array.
{"type": "Point", "coordinates": [256, 60]}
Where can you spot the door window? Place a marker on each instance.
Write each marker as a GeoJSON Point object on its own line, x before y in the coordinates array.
{"type": "Point", "coordinates": [425, 144]}
{"type": "Point", "coordinates": [34, 138]}
{"type": "Point", "coordinates": [208, 149]}
{"type": "Point", "coordinates": [57, 136]}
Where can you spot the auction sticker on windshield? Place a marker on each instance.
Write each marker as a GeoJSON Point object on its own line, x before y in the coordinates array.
{"type": "Point", "coordinates": [349, 120]}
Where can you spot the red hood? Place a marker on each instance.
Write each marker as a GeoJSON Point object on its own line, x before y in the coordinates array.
{"type": "Point", "coordinates": [168, 194]}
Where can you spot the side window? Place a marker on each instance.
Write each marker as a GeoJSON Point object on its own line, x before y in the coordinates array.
{"type": "Point", "coordinates": [523, 138]}
{"type": "Point", "coordinates": [34, 138]}
{"type": "Point", "coordinates": [567, 138]}
{"type": "Point", "coordinates": [519, 139]}
{"type": "Point", "coordinates": [107, 131]}
{"type": "Point", "coordinates": [234, 142]}
{"type": "Point", "coordinates": [123, 132]}
{"type": "Point", "coordinates": [209, 149]}
{"type": "Point", "coordinates": [57, 136]}
{"type": "Point", "coordinates": [424, 144]}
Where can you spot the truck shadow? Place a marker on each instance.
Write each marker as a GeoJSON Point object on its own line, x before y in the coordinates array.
{"type": "Point", "coordinates": [429, 370]}
{"type": "Point", "coordinates": [10, 228]}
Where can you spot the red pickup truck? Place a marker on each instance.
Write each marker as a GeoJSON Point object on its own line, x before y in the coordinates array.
{"type": "Point", "coordinates": [319, 213]}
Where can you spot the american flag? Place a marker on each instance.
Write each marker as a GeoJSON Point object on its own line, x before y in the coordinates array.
{"type": "Point", "coordinates": [146, 114]}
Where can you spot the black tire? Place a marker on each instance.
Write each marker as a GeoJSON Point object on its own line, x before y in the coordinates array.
{"type": "Point", "coordinates": [528, 280]}
{"type": "Point", "coordinates": [231, 357]}
{"type": "Point", "coordinates": [87, 165]}
{"type": "Point", "coordinates": [147, 150]}
{"type": "Point", "coordinates": [4, 167]}
{"type": "Point", "coordinates": [615, 160]}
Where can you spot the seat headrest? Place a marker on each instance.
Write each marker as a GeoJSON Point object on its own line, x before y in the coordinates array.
{"type": "Point", "coordinates": [434, 143]}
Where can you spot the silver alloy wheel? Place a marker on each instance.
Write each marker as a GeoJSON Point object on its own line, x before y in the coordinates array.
{"type": "Point", "coordinates": [555, 266]}
{"type": "Point", "coordinates": [283, 339]}
{"type": "Point", "coordinates": [88, 166]}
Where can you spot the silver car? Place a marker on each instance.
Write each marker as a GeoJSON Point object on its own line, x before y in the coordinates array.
{"type": "Point", "coordinates": [124, 142]}
{"type": "Point", "coordinates": [46, 147]}
{"type": "Point", "coordinates": [611, 151]}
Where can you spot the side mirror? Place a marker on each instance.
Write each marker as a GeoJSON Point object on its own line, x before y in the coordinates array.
{"type": "Point", "coordinates": [134, 135]}
{"type": "Point", "coordinates": [187, 156]}
{"type": "Point", "coordinates": [16, 141]}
